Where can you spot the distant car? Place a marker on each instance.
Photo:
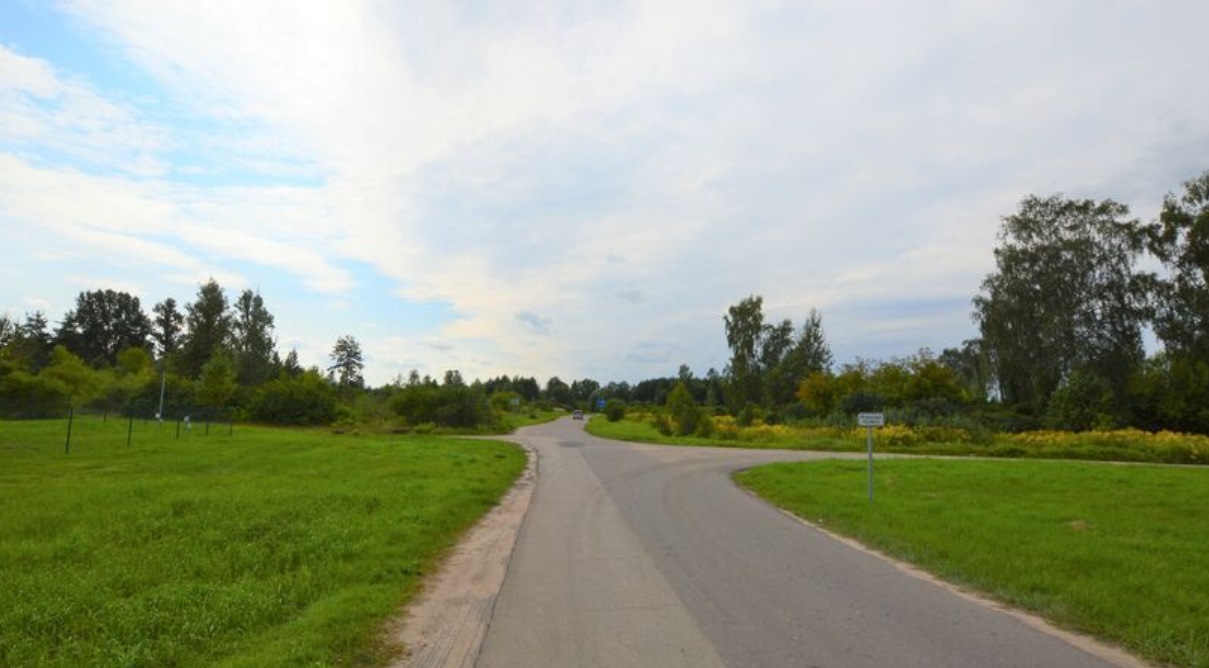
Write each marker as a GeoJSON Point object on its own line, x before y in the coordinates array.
{"type": "Point", "coordinates": [577, 415]}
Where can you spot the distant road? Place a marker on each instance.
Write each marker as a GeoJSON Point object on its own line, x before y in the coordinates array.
{"type": "Point", "coordinates": [635, 555]}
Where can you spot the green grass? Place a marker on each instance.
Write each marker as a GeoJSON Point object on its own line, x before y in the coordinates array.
{"type": "Point", "coordinates": [513, 421]}
{"type": "Point", "coordinates": [1119, 552]}
{"type": "Point", "coordinates": [267, 548]}
{"type": "Point", "coordinates": [642, 431]}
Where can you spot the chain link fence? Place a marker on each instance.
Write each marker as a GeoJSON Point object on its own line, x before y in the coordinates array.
{"type": "Point", "coordinates": [136, 420]}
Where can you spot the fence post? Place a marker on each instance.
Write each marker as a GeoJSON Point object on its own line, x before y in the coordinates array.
{"type": "Point", "coordinates": [70, 416]}
{"type": "Point", "coordinates": [130, 429]}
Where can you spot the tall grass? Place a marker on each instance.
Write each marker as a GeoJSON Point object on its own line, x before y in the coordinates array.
{"type": "Point", "coordinates": [267, 548]}
{"type": "Point", "coordinates": [1114, 551]}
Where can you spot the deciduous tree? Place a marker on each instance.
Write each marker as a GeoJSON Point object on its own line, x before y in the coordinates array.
{"type": "Point", "coordinates": [744, 327]}
{"type": "Point", "coordinates": [104, 323]}
{"type": "Point", "coordinates": [1180, 239]}
{"type": "Point", "coordinates": [1065, 296]}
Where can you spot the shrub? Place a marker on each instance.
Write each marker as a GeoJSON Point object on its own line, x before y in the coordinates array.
{"type": "Point", "coordinates": [683, 409]}
{"type": "Point", "coordinates": [306, 400]}
{"type": "Point", "coordinates": [765, 433]}
{"type": "Point", "coordinates": [749, 415]}
{"type": "Point", "coordinates": [614, 410]}
{"type": "Point", "coordinates": [27, 396]}
{"type": "Point", "coordinates": [662, 423]}
{"type": "Point", "coordinates": [725, 427]}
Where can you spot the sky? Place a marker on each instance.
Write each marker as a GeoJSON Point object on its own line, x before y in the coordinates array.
{"type": "Point", "coordinates": [577, 189]}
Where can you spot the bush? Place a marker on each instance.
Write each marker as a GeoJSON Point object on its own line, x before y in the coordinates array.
{"type": "Point", "coordinates": [456, 406]}
{"type": "Point", "coordinates": [749, 415]}
{"type": "Point", "coordinates": [24, 396]}
{"type": "Point", "coordinates": [725, 427]}
{"type": "Point", "coordinates": [306, 400]}
{"type": "Point", "coordinates": [683, 409]}
{"type": "Point", "coordinates": [1084, 402]}
{"type": "Point", "coordinates": [662, 423]}
{"type": "Point", "coordinates": [614, 410]}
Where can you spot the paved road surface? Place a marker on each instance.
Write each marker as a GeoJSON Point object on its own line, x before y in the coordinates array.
{"type": "Point", "coordinates": [635, 555]}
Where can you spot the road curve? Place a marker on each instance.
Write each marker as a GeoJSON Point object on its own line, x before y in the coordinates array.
{"type": "Point", "coordinates": [636, 555]}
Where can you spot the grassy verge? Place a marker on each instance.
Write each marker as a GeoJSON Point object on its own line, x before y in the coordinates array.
{"type": "Point", "coordinates": [507, 424]}
{"type": "Point", "coordinates": [1115, 551]}
{"type": "Point", "coordinates": [266, 548]}
{"type": "Point", "coordinates": [1118, 445]}
{"type": "Point", "coordinates": [642, 431]}
{"type": "Point", "coordinates": [514, 421]}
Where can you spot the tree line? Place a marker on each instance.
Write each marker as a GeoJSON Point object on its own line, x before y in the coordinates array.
{"type": "Point", "coordinates": [218, 355]}
{"type": "Point", "coordinates": [1061, 321]}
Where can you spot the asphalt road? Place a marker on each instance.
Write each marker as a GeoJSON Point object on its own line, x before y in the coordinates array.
{"type": "Point", "coordinates": [635, 555]}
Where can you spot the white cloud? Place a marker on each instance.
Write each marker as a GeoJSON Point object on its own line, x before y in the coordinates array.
{"type": "Point", "coordinates": [41, 110]}
{"type": "Point", "coordinates": [623, 171]}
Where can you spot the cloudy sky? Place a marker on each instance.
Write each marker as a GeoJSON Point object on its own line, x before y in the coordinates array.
{"type": "Point", "coordinates": [573, 188]}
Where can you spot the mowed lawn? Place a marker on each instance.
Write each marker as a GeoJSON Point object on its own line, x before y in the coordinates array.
{"type": "Point", "coordinates": [1116, 551]}
{"type": "Point", "coordinates": [264, 548]}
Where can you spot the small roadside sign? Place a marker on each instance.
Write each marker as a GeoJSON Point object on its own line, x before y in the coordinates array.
{"type": "Point", "coordinates": [871, 419]}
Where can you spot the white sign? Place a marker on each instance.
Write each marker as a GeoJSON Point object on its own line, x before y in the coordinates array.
{"type": "Point", "coordinates": [871, 419]}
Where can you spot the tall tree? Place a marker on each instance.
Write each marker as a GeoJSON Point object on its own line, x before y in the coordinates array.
{"type": "Point", "coordinates": [1180, 239]}
{"type": "Point", "coordinates": [347, 362]}
{"type": "Point", "coordinates": [558, 392]}
{"type": "Point", "coordinates": [166, 327]}
{"type": "Point", "coordinates": [8, 330]}
{"type": "Point", "coordinates": [1065, 297]}
{"type": "Point", "coordinates": [209, 328]}
{"type": "Point", "coordinates": [527, 388]}
{"type": "Point", "coordinates": [104, 323]}
{"type": "Point", "coordinates": [744, 327]}
{"type": "Point", "coordinates": [252, 338]}
{"type": "Point", "coordinates": [291, 367]}
{"type": "Point", "coordinates": [29, 344]}
{"type": "Point", "coordinates": [583, 389]}
{"type": "Point", "coordinates": [768, 360]}
{"type": "Point", "coordinates": [808, 354]}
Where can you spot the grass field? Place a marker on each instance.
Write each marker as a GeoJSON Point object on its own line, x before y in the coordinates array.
{"type": "Point", "coordinates": [265, 548]}
{"type": "Point", "coordinates": [1116, 551]}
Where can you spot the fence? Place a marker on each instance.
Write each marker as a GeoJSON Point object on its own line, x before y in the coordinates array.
{"type": "Point", "coordinates": [184, 422]}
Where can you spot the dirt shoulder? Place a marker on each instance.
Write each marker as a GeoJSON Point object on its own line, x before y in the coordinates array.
{"type": "Point", "coordinates": [445, 626]}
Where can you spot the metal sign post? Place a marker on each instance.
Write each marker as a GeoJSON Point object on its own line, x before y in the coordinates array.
{"type": "Point", "coordinates": [869, 421]}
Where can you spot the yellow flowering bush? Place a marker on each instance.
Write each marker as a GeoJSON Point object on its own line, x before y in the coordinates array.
{"type": "Point", "coordinates": [726, 428]}
{"type": "Point", "coordinates": [891, 434]}
{"type": "Point", "coordinates": [1117, 444]}
{"type": "Point", "coordinates": [765, 433]}
{"type": "Point", "coordinates": [1163, 446]}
